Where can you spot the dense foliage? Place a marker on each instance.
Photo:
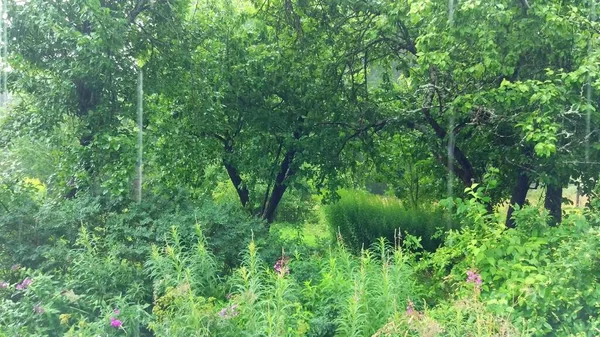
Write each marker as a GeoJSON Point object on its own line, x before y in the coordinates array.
{"type": "Point", "coordinates": [299, 168]}
{"type": "Point", "coordinates": [484, 281]}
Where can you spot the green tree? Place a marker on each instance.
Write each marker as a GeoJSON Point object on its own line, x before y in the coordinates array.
{"type": "Point", "coordinates": [74, 71]}
{"type": "Point", "coordinates": [274, 93]}
{"type": "Point", "coordinates": [510, 76]}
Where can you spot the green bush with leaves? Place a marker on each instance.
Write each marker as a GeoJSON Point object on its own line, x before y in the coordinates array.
{"type": "Point", "coordinates": [545, 277]}
{"type": "Point", "coordinates": [367, 295]}
{"type": "Point", "coordinates": [35, 232]}
{"type": "Point", "coordinates": [361, 218]}
{"type": "Point", "coordinates": [97, 294]}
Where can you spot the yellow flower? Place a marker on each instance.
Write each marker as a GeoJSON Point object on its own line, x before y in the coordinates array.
{"type": "Point", "coordinates": [64, 318]}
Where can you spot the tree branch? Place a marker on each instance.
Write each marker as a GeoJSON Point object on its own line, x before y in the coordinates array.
{"type": "Point", "coordinates": [140, 6]}
{"type": "Point", "coordinates": [466, 172]}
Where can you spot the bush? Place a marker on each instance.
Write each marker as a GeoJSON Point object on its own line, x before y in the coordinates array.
{"type": "Point", "coordinates": [361, 218]}
{"type": "Point", "coordinates": [78, 301]}
{"type": "Point", "coordinates": [228, 227]}
{"type": "Point", "coordinates": [545, 277]}
{"type": "Point", "coordinates": [33, 231]}
{"type": "Point", "coordinates": [358, 296]}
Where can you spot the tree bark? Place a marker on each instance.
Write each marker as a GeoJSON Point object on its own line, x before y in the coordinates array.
{"type": "Point", "coordinates": [233, 173]}
{"type": "Point", "coordinates": [466, 172]}
{"type": "Point", "coordinates": [279, 188]}
{"type": "Point", "coordinates": [518, 197]}
{"type": "Point", "coordinates": [553, 202]}
{"type": "Point", "coordinates": [238, 183]}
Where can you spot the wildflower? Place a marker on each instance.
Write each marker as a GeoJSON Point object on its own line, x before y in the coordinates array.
{"type": "Point", "coordinates": [3, 284]}
{"type": "Point", "coordinates": [23, 285]}
{"type": "Point", "coordinates": [473, 277]}
{"type": "Point", "coordinates": [15, 267]}
{"type": "Point", "coordinates": [281, 266]}
{"type": "Point", "coordinates": [117, 311]}
{"type": "Point", "coordinates": [229, 312]}
{"type": "Point", "coordinates": [38, 309]}
{"type": "Point", "coordinates": [115, 323]}
{"type": "Point", "coordinates": [410, 308]}
{"type": "Point", "coordinates": [64, 318]}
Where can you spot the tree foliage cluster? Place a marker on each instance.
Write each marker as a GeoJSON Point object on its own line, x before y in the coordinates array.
{"type": "Point", "coordinates": [307, 94]}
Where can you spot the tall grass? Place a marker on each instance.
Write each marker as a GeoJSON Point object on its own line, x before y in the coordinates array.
{"type": "Point", "coordinates": [362, 218]}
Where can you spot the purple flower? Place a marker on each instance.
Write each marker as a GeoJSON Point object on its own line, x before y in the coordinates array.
{"type": "Point", "coordinates": [23, 285]}
{"type": "Point", "coordinates": [38, 309]}
{"type": "Point", "coordinates": [3, 285]}
{"type": "Point", "coordinates": [473, 277]}
{"type": "Point", "coordinates": [115, 323]}
{"type": "Point", "coordinates": [410, 308]}
{"type": "Point", "coordinates": [281, 266]}
{"type": "Point", "coordinates": [117, 311]}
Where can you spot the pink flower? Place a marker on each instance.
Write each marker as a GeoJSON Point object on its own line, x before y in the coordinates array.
{"type": "Point", "coordinates": [473, 277]}
{"type": "Point", "coordinates": [410, 308]}
{"type": "Point", "coordinates": [117, 311]}
{"type": "Point", "coordinates": [38, 309]}
{"type": "Point", "coordinates": [229, 312]}
{"type": "Point", "coordinates": [23, 285]}
{"type": "Point", "coordinates": [281, 266]}
{"type": "Point", "coordinates": [115, 323]}
{"type": "Point", "coordinates": [3, 285]}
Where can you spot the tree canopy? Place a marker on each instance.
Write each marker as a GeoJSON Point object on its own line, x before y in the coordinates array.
{"type": "Point", "coordinates": [288, 94]}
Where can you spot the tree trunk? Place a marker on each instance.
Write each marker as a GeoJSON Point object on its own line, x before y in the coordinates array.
{"type": "Point", "coordinates": [553, 202]}
{"type": "Point", "coordinates": [274, 200]}
{"type": "Point", "coordinates": [518, 197]}
{"type": "Point", "coordinates": [237, 182]}
{"type": "Point", "coordinates": [279, 188]}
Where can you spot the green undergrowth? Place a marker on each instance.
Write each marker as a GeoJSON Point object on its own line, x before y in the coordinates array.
{"type": "Point", "coordinates": [373, 294]}
{"type": "Point", "coordinates": [360, 218]}
{"type": "Point", "coordinates": [483, 279]}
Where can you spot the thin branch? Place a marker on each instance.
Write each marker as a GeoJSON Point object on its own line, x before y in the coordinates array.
{"type": "Point", "coordinates": [4, 206]}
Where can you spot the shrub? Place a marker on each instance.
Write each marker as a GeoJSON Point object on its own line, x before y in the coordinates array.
{"type": "Point", "coordinates": [361, 218]}
{"type": "Point", "coordinates": [228, 228]}
{"type": "Point", "coordinates": [34, 230]}
{"type": "Point", "coordinates": [78, 301]}
{"type": "Point", "coordinates": [545, 277]}
{"type": "Point", "coordinates": [366, 295]}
